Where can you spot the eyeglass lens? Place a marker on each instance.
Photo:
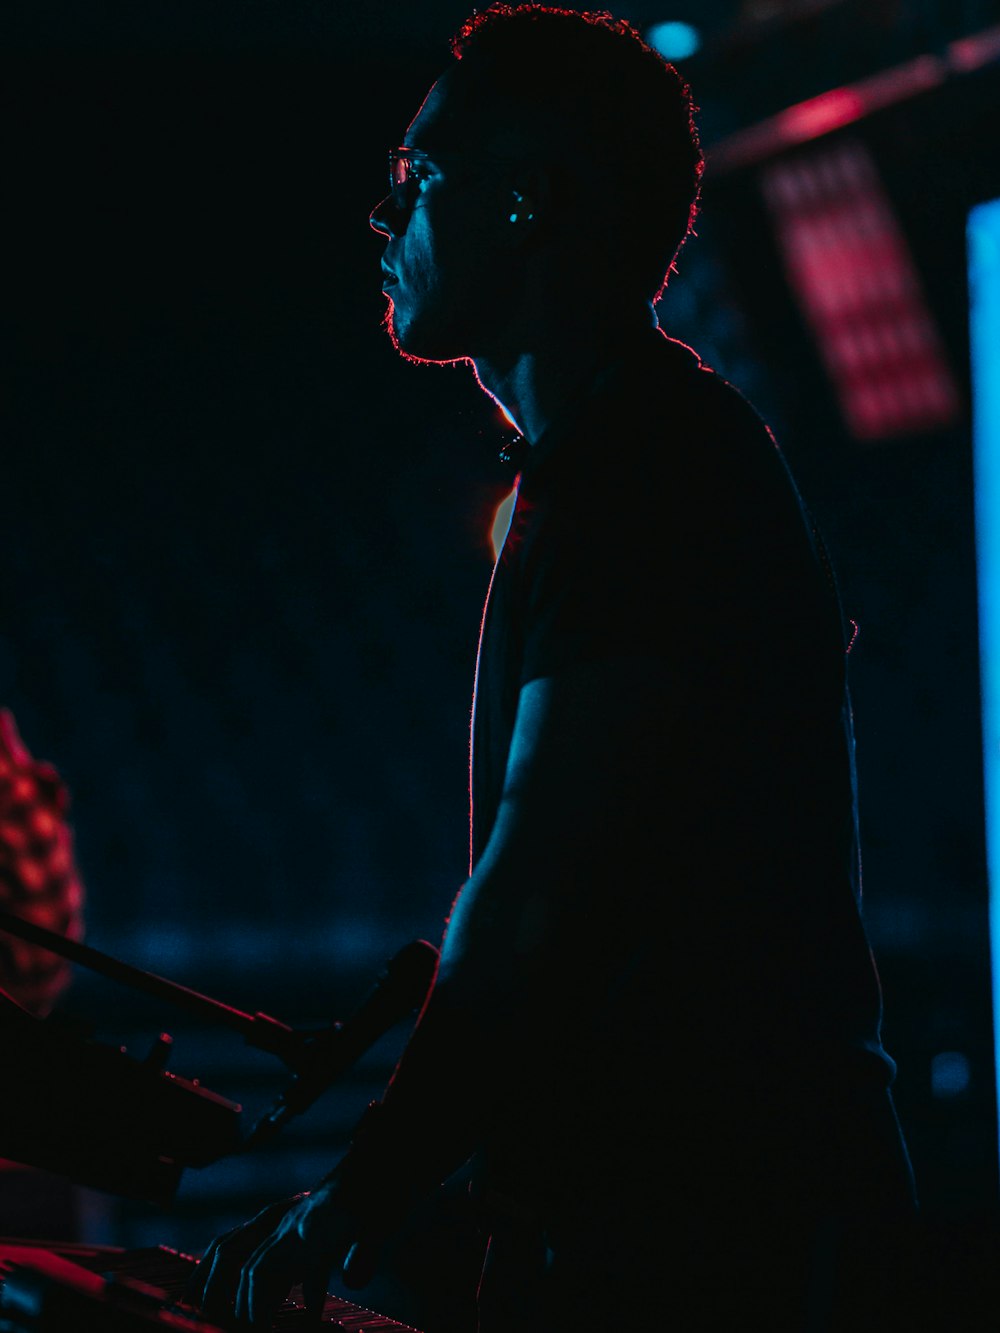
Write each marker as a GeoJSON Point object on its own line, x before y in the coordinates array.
{"type": "Point", "coordinates": [399, 170]}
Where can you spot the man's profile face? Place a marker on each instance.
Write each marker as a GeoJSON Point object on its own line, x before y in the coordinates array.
{"type": "Point", "coordinates": [443, 226]}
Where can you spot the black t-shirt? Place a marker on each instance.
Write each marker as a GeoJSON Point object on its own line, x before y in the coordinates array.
{"type": "Point", "coordinates": [660, 523]}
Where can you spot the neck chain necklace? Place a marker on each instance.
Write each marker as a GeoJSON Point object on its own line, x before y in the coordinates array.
{"type": "Point", "coordinates": [514, 450]}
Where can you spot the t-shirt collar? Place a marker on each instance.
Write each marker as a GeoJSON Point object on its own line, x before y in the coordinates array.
{"type": "Point", "coordinates": [526, 458]}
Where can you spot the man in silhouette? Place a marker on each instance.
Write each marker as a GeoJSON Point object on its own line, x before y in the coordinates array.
{"type": "Point", "coordinates": [655, 1027]}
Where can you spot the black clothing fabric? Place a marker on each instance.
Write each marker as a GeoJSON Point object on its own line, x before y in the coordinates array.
{"type": "Point", "coordinates": [724, 1082]}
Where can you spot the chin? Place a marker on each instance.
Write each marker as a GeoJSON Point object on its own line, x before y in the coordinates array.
{"type": "Point", "coordinates": [416, 342]}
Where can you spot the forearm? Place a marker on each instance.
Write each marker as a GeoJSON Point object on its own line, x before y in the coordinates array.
{"type": "Point", "coordinates": [526, 943]}
{"type": "Point", "coordinates": [465, 1050]}
{"type": "Point", "coordinates": [431, 1116]}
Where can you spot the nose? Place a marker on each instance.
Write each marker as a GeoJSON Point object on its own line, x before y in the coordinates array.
{"type": "Point", "coordinates": [387, 218]}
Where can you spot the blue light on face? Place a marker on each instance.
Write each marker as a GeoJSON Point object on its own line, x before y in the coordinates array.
{"type": "Point", "coordinates": [674, 41]}
{"type": "Point", "coordinates": [983, 235]}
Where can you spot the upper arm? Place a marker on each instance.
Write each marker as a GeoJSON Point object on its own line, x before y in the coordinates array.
{"type": "Point", "coordinates": [587, 743]}
{"type": "Point", "coordinates": [579, 738]}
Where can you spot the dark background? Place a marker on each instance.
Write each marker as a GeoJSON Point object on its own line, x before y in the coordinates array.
{"type": "Point", "coordinates": [243, 548]}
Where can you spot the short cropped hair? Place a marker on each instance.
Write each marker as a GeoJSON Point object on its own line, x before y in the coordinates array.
{"type": "Point", "coordinates": [625, 107]}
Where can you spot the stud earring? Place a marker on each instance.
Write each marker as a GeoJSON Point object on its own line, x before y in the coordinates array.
{"type": "Point", "coordinates": [515, 216]}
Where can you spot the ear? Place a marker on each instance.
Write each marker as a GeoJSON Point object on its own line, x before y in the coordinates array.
{"type": "Point", "coordinates": [529, 200]}
{"type": "Point", "coordinates": [523, 208]}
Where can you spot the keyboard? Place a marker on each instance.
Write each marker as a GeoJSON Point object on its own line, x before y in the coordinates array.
{"type": "Point", "coordinates": [75, 1288]}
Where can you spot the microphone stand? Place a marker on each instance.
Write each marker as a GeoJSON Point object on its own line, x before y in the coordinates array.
{"type": "Point", "coordinates": [316, 1059]}
{"type": "Point", "coordinates": [411, 970]}
{"type": "Point", "coordinates": [258, 1030]}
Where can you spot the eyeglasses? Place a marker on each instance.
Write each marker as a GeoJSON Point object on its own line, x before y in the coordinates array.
{"type": "Point", "coordinates": [405, 165]}
{"type": "Point", "coordinates": [410, 164]}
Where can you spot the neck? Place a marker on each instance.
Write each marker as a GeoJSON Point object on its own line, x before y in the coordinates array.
{"type": "Point", "coordinates": [537, 378]}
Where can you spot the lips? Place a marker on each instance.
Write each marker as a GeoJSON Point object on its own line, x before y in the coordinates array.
{"type": "Point", "coordinates": [389, 279]}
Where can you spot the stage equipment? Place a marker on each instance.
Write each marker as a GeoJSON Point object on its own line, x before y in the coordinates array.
{"type": "Point", "coordinates": [89, 1112]}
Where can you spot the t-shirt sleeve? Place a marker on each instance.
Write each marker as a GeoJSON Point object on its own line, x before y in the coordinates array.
{"type": "Point", "coordinates": [693, 549]}
{"type": "Point", "coordinates": [597, 580]}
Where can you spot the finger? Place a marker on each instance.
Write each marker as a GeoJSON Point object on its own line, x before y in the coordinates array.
{"type": "Point", "coordinates": [214, 1282]}
{"type": "Point", "coordinates": [11, 744]}
{"type": "Point", "coordinates": [206, 1288]}
{"type": "Point", "coordinates": [360, 1264]}
{"type": "Point", "coordinates": [195, 1286]}
{"type": "Point", "coordinates": [314, 1288]}
{"type": "Point", "coordinates": [267, 1278]}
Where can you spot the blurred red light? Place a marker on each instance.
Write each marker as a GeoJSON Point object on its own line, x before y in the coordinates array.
{"type": "Point", "coordinates": [851, 270]}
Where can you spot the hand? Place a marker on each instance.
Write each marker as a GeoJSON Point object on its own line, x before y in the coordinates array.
{"type": "Point", "coordinates": [247, 1273]}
